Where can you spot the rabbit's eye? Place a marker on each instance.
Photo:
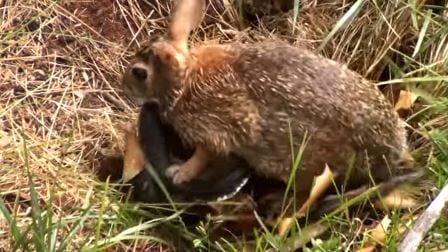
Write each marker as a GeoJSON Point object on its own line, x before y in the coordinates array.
{"type": "Point", "coordinates": [139, 73]}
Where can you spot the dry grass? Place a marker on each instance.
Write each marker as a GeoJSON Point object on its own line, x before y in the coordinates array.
{"type": "Point", "coordinates": [61, 108]}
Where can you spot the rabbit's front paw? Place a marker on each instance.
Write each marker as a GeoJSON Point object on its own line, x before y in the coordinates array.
{"type": "Point", "coordinates": [172, 170]}
{"type": "Point", "coordinates": [180, 173]}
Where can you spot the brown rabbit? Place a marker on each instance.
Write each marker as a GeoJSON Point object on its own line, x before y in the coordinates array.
{"type": "Point", "coordinates": [262, 101]}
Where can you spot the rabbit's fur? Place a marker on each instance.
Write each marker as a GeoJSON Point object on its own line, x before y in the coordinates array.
{"type": "Point", "coordinates": [253, 99]}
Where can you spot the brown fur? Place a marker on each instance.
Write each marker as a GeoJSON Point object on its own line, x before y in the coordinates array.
{"type": "Point", "coordinates": [209, 57]}
{"type": "Point", "coordinates": [250, 99]}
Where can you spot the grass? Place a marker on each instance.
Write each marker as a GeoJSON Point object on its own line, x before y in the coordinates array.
{"type": "Point", "coordinates": [61, 111]}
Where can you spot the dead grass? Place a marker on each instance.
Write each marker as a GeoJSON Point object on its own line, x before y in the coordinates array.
{"type": "Point", "coordinates": [61, 108]}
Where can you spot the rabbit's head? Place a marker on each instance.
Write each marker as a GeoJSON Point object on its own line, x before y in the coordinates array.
{"type": "Point", "coordinates": [161, 62]}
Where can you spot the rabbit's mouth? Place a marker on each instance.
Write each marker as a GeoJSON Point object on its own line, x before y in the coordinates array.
{"type": "Point", "coordinates": [134, 96]}
{"type": "Point", "coordinates": [139, 101]}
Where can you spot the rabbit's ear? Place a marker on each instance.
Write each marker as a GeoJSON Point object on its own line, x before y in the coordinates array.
{"type": "Point", "coordinates": [188, 14]}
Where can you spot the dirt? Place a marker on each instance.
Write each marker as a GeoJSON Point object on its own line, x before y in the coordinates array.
{"type": "Point", "coordinates": [101, 15]}
{"type": "Point", "coordinates": [105, 17]}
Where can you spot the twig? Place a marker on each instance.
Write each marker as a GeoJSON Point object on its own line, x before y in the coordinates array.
{"type": "Point", "coordinates": [424, 222]}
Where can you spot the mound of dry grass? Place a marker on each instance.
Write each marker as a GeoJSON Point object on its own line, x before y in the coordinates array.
{"type": "Point", "coordinates": [61, 107]}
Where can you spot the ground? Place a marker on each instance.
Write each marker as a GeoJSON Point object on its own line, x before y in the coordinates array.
{"type": "Point", "coordinates": [62, 111]}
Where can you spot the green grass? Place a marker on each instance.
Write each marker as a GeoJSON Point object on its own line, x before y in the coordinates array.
{"type": "Point", "coordinates": [61, 110]}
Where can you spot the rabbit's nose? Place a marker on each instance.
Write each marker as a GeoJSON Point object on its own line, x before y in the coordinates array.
{"type": "Point", "coordinates": [139, 72]}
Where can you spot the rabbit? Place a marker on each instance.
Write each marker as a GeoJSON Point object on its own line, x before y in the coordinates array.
{"type": "Point", "coordinates": [267, 102]}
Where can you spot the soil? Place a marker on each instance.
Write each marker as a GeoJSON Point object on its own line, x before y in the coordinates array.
{"type": "Point", "coordinates": [101, 15]}
{"type": "Point", "coordinates": [105, 18]}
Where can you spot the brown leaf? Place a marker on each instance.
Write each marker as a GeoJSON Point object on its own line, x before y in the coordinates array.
{"type": "Point", "coordinates": [5, 140]}
{"type": "Point", "coordinates": [134, 160]}
{"type": "Point", "coordinates": [366, 249]}
{"type": "Point", "coordinates": [377, 235]}
{"type": "Point", "coordinates": [397, 199]}
{"type": "Point", "coordinates": [322, 183]}
{"type": "Point", "coordinates": [405, 102]}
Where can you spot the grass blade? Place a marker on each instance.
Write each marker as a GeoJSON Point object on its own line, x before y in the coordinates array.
{"type": "Point", "coordinates": [37, 224]}
{"type": "Point", "coordinates": [422, 34]}
{"type": "Point", "coordinates": [52, 231]}
{"type": "Point", "coordinates": [75, 228]}
{"type": "Point", "coordinates": [18, 236]}
{"type": "Point", "coordinates": [343, 21]}
{"type": "Point", "coordinates": [415, 79]}
{"type": "Point", "coordinates": [295, 167]}
{"type": "Point", "coordinates": [295, 13]}
{"type": "Point", "coordinates": [131, 233]}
